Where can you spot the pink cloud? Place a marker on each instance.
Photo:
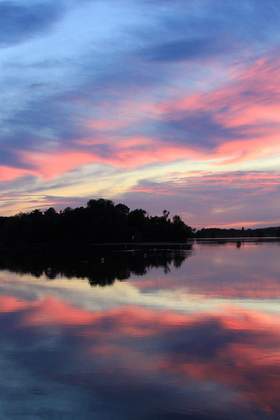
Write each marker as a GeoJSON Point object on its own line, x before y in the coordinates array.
{"type": "Point", "coordinates": [129, 153]}
{"type": "Point", "coordinates": [251, 101]}
{"type": "Point", "coordinates": [8, 173]}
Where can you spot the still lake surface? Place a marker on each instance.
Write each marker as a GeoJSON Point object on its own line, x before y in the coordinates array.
{"type": "Point", "coordinates": [159, 335]}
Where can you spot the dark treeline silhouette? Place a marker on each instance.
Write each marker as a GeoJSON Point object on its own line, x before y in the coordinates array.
{"type": "Point", "coordinates": [100, 269]}
{"type": "Point", "coordinates": [101, 221]}
{"type": "Point", "coordinates": [238, 233]}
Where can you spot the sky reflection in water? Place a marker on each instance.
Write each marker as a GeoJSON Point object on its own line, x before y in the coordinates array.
{"type": "Point", "coordinates": [196, 341]}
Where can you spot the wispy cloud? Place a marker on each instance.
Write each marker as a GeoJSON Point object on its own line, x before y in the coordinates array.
{"type": "Point", "coordinates": [161, 89]}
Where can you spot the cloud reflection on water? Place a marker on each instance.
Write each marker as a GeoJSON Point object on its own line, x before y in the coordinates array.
{"type": "Point", "coordinates": [141, 350]}
{"type": "Point", "coordinates": [208, 362]}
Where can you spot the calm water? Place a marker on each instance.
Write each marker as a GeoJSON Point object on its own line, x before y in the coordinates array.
{"type": "Point", "coordinates": [164, 335]}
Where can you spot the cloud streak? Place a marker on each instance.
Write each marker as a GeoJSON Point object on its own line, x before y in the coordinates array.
{"type": "Point", "coordinates": [163, 90]}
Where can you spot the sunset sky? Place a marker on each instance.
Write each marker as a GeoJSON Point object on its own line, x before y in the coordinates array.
{"type": "Point", "coordinates": [160, 104]}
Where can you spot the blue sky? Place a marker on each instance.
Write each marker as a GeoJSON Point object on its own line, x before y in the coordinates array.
{"type": "Point", "coordinates": [155, 103]}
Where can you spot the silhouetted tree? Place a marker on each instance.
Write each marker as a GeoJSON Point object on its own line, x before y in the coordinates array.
{"type": "Point", "coordinates": [100, 221]}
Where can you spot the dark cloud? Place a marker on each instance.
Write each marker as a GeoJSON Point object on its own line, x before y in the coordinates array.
{"type": "Point", "coordinates": [19, 22]}
{"type": "Point", "coordinates": [223, 20]}
{"type": "Point", "coordinates": [201, 129]}
{"type": "Point", "coordinates": [185, 49]}
{"type": "Point", "coordinates": [10, 157]}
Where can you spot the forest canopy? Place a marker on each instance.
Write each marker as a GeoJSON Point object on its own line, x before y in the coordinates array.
{"type": "Point", "coordinates": [100, 221]}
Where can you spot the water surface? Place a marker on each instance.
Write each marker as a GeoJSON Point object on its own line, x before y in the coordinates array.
{"type": "Point", "coordinates": [158, 335]}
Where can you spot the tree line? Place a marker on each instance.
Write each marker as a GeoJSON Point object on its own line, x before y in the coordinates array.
{"type": "Point", "coordinates": [100, 221]}
{"type": "Point", "coordinates": [238, 233]}
{"type": "Point", "coordinates": [103, 221]}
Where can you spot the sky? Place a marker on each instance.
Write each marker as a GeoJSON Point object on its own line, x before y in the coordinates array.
{"type": "Point", "coordinates": [159, 104]}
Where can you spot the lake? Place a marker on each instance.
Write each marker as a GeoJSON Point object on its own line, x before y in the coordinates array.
{"type": "Point", "coordinates": [154, 335]}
